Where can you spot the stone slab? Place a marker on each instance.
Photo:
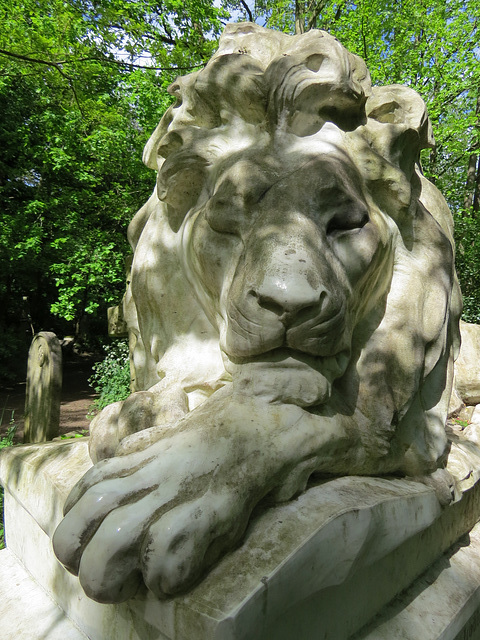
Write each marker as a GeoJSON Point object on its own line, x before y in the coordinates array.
{"type": "Point", "coordinates": [26, 612]}
{"type": "Point", "coordinates": [333, 558]}
{"type": "Point", "coordinates": [40, 477]}
{"type": "Point", "coordinates": [467, 365]}
{"type": "Point", "coordinates": [443, 604]}
{"type": "Point", "coordinates": [27, 541]}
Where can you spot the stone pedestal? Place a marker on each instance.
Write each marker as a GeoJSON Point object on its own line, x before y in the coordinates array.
{"type": "Point", "coordinates": [322, 566]}
{"type": "Point", "coordinates": [443, 604]}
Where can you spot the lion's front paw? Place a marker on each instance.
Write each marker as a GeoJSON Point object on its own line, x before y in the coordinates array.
{"type": "Point", "coordinates": [152, 515]}
{"type": "Point", "coordinates": [165, 514]}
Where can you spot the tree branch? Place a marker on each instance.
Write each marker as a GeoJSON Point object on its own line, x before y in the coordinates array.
{"type": "Point", "coordinates": [247, 9]}
{"type": "Point", "coordinates": [121, 63]}
{"type": "Point", "coordinates": [167, 39]}
{"type": "Point", "coordinates": [19, 56]}
{"type": "Point", "coordinates": [316, 8]}
{"type": "Point", "coordinates": [339, 11]}
{"type": "Point", "coordinates": [57, 65]}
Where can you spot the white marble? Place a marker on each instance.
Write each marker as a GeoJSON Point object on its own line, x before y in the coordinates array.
{"type": "Point", "coordinates": [467, 365]}
{"type": "Point", "coordinates": [333, 558]}
{"type": "Point", "coordinates": [444, 604]}
{"type": "Point", "coordinates": [26, 612]}
{"type": "Point", "coordinates": [292, 309]}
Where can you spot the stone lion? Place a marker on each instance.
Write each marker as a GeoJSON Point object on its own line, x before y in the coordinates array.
{"type": "Point", "coordinates": [293, 310]}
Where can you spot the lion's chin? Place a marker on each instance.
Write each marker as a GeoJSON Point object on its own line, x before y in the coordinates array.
{"type": "Point", "coordinates": [288, 376]}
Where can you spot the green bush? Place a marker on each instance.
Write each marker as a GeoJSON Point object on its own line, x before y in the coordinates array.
{"type": "Point", "coordinates": [467, 238]}
{"type": "Point", "coordinates": [6, 441]}
{"type": "Point", "coordinates": [111, 377]}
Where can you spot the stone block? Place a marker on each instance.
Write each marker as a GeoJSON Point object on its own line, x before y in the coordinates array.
{"type": "Point", "coordinates": [443, 604]}
{"type": "Point", "coordinates": [467, 365]}
{"type": "Point", "coordinates": [117, 327]}
{"type": "Point", "coordinates": [26, 612]}
{"type": "Point", "coordinates": [333, 558]}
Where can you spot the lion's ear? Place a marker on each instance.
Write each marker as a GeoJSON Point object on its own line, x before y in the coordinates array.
{"type": "Point", "coordinates": [398, 125]}
{"type": "Point", "coordinates": [150, 155]}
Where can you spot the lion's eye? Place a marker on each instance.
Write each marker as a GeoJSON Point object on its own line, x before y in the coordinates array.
{"type": "Point", "coordinates": [223, 215]}
{"type": "Point", "coordinates": [348, 219]}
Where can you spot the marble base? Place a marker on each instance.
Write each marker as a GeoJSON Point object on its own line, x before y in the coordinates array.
{"type": "Point", "coordinates": [443, 604]}
{"type": "Point", "coordinates": [26, 611]}
{"type": "Point", "coordinates": [330, 562]}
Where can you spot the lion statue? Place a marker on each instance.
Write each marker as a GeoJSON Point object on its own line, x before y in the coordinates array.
{"type": "Point", "coordinates": [292, 305]}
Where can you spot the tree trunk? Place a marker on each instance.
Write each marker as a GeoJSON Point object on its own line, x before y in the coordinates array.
{"type": "Point", "coordinates": [476, 192]}
{"type": "Point", "coordinates": [472, 177]}
{"type": "Point", "coordinates": [299, 17]}
{"type": "Point", "coordinates": [471, 201]}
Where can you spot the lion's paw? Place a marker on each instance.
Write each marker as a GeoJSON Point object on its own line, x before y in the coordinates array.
{"type": "Point", "coordinates": [165, 514]}
{"type": "Point", "coordinates": [143, 517]}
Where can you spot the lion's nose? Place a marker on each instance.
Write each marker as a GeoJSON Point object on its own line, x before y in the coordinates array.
{"type": "Point", "coordinates": [288, 296]}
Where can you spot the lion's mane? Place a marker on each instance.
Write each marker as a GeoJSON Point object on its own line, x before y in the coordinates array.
{"type": "Point", "coordinates": [263, 86]}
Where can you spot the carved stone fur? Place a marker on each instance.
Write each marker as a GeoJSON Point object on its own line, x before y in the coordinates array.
{"type": "Point", "coordinates": [293, 309]}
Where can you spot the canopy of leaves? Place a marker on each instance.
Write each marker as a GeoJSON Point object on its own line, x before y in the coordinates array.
{"type": "Point", "coordinates": [82, 86]}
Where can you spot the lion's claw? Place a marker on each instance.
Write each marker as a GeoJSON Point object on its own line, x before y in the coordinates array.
{"type": "Point", "coordinates": [188, 539]}
{"type": "Point", "coordinates": [110, 544]}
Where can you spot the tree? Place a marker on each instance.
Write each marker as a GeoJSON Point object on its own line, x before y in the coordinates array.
{"type": "Point", "coordinates": [82, 86]}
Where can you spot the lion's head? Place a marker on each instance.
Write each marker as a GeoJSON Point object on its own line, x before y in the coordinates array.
{"type": "Point", "coordinates": [293, 248]}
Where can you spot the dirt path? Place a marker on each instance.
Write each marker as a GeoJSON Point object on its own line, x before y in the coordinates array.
{"type": "Point", "coordinates": [77, 396]}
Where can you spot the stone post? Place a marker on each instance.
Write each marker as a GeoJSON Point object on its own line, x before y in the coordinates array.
{"type": "Point", "coordinates": [44, 388]}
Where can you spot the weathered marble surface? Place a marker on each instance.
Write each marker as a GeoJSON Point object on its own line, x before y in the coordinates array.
{"type": "Point", "coordinates": [293, 309]}
{"type": "Point", "coordinates": [44, 388]}
{"type": "Point", "coordinates": [26, 611]}
{"type": "Point", "coordinates": [443, 604]}
{"type": "Point", "coordinates": [332, 559]}
{"type": "Point", "coordinates": [467, 365]}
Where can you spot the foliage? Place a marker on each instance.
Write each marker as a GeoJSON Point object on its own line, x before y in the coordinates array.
{"type": "Point", "coordinates": [6, 441]}
{"type": "Point", "coordinates": [14, 343]}
{"type": "Point", "coordinates": [72, 436]}
{"type": "Point", "coordinates": [111, 377]}
{"type": "Point", "coordinates": [467, 232]}
{"type": "Point", "coordinates": [82, 86]}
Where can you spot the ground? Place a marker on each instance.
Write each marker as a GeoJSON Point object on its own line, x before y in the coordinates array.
{"type": "Point", "coordinates": [77, 396]}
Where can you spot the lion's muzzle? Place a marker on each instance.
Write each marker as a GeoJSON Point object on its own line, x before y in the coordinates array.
{"type": "Point", "coordinates": [285, 294]}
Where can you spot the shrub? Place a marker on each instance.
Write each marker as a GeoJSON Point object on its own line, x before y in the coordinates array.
{"type": "Point", "coordinates": [13, 355]}
{"type": "Point", "coordinates": [111, 377]}
{"type": "Point", "coordinates": [6, 441]}
{"type": "Point", "coordinates": [467, 238]}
